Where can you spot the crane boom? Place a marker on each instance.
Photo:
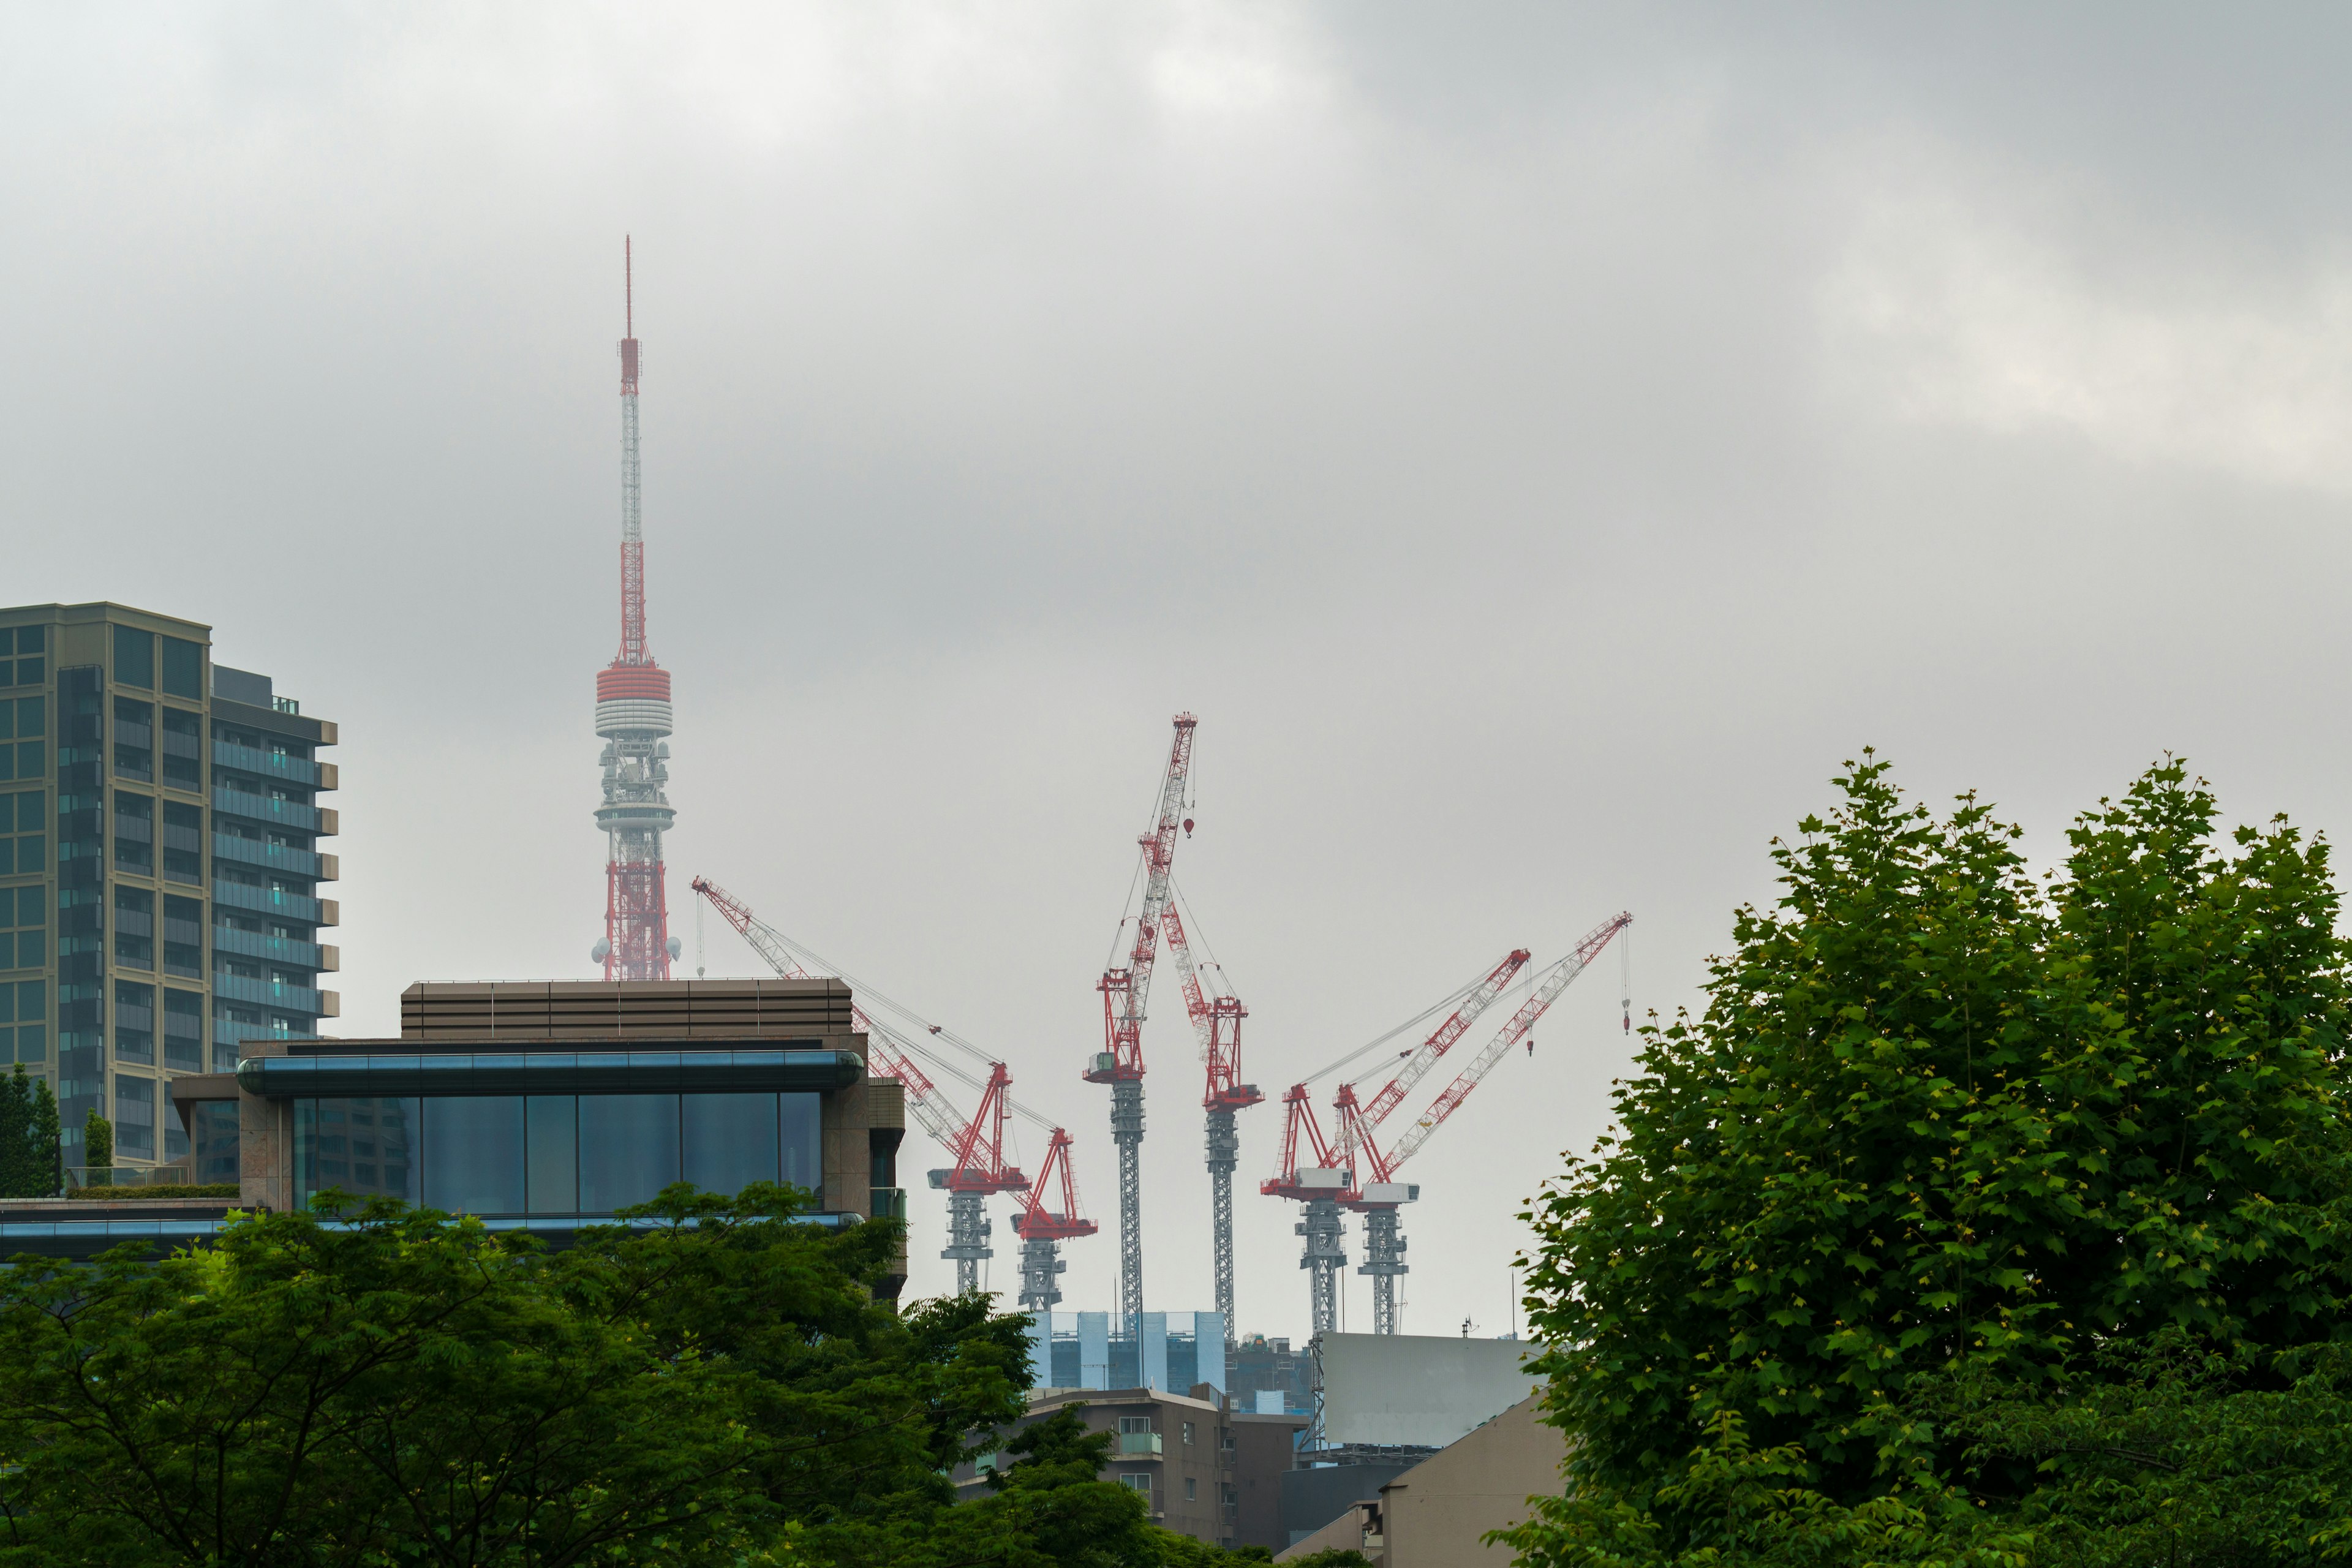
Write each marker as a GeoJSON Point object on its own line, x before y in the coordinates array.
{"type": "Point", "coordinates": [1124, 992]}
{"type": "Point", "coordinates": [1546, 991]}
{"type": "Point", "coordinates": [1441, 1039]}
{"type": "Point", "coordinates": [885, 1046]}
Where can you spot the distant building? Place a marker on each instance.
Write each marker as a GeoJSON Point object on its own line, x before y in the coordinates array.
{"type": "Point", "coordinates": [1077, 1349]}
{"type": "Point", "coordinates": [1265, 1374]}
{"type": "Point", "coordinates": [1434, 1514]}
{"type": "Point", "coordinates": [1203, 1469]}
{"type": "Point", "coordinates": [540, 1107]}
{"type": "Point", "coordinates": [159, 866]}
{"type": "Point", "coordinates": [1390, 1403]}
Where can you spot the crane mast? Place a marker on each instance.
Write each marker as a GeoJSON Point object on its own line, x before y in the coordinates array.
{"type": "Point", "coordinates": [1217, 1024]}
{"type": "Point", "coordinates": [1124, 992]}
{"type": "Point", "coordinates": [1374, 1191]}
{"type": "Point", "coordinates": [1319, 1186]}
{"type": "Point", "coordinates": [1041, 1230]}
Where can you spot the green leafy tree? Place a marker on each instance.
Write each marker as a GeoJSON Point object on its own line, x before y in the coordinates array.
{"type": "Point", "coordinates": [713, 1386]}
{"type": "Point", "coordinates": [44, 1173]}
{"type": "Point", "coordinates": [96, 1141]}
{"type": "Point", "coordinates": [28, 1127]}
{"type": "Point", "coordinates": [1942, 1128]}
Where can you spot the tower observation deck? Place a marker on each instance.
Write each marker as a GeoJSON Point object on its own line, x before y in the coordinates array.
{"type": "Point", "coordinates": [633, 718]}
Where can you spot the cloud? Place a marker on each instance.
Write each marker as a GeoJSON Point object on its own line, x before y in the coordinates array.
{"type": "Point", "coordinates": [1949, 308]}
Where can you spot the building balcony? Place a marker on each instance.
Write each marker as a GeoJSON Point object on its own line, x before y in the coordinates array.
{"type": "Point", "coordinates": [286, 951]}
{"type": "Point", "coordinates": [226, 1033]}
{"type": "Point", "coordinates": [251, 807]}
{"type": "Point", "coordinates": [262, 900]}
{"type": "Point", "coordinates": [1139, 1445]}
{"type": "Point", "coordinates": [260, 852]}
{"type": "Point", "coordinates": [273, 765]}
{"type": "Point", "coordinates": [285, 997]}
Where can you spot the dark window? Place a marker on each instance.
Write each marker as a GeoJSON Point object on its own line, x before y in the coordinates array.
{"type": "Point", "coordinates": [215, 1123]}
{"type": "Point", "coordinates": [32, 718]}
{"type": "Point", "coordinates": [362, 1146]}
{"type": "Point", "coordinates": [134, 1019]}
{"type": "Point", "coordinates": [134, 1117]}
{"type": "Point", "coordinates": [184, 1029]}
{"type": "Point", "coordinates": [552, 1137]}
{"type": "Point", "coordinates": [31, 816]}
{"type": "Point", "coordinates": [629, 1149]}
{"type": "Point", "coordinates": [728, 1141]}
{"type": "Point", "coordinates": [184, 669]}
{"type": "Point", "coordinates": [803, 1142]}
{"type": "Point", "coordinates": [134, 657]}
{"type": "Point", "coordinates": [473, 1154]}
{"type": "Point", "coordinates": [135, 930]}
{"type": "Point", "coordinates": [31, 639]}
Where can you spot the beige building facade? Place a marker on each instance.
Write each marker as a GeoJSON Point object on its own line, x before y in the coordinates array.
{"type": "Point", "coordinates": [1434, 1514]}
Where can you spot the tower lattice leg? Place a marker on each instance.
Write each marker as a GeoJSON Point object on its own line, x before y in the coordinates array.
{"type": "Point", "coordinates": [1324, 1257]}
{"type": "Point", "coordinates": [967, 1230]}
{"type": "Point", "coordinates": [1225, 1152]}
{"type": "Point", "coordinates": [1127, 1132]}
{"type": "Point", "coordinates": [1383, 1261]}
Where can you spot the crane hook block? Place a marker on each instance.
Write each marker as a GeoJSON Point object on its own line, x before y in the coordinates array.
{"type": "Point", "coordinates": [1188, 827]}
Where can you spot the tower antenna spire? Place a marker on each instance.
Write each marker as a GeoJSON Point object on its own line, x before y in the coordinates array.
{"type": "Point", "coordinates": [632, 716]}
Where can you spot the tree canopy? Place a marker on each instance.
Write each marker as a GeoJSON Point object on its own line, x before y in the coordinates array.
{"type": "Point", "coordinates": [713, 1384]}
{"type": "Point", "coordinates": [29, 1137]}
{"type": "Point", "coordinates": [1956, 1159]}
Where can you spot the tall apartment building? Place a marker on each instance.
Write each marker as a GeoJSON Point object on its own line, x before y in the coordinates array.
{"type": "Point", "coordinates": [159, 864]}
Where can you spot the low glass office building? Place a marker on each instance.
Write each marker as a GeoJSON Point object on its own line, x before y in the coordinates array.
{"type": "Point", "coordinates": [549, 1106]}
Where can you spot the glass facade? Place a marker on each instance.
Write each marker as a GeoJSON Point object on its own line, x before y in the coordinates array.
{"type": "Point", "coordinates": [553, 1153]}
{"type": "Point", "coordinates": [123, 753]}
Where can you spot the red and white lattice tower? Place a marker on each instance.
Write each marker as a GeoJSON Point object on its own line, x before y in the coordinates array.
{"type": "Point", "coordinates": [633, 718]}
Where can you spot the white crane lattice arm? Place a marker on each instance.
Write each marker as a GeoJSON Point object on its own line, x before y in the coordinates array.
{"type": "Point", "coordinates": [1545, 991]}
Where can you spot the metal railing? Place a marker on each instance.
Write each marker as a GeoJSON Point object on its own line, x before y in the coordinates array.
{"type": "Point", "coordinates": [79, 1177]}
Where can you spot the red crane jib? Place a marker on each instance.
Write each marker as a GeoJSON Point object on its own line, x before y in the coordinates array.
{"type": "Point", "coordinates": [978, 1159]}
{"type": "Point", "coordinates": [1291, 1180]}
{"type": "Point", "coordinates": [1125, 991]}
{"type": "Point", "coordinates": [1036, 1221]}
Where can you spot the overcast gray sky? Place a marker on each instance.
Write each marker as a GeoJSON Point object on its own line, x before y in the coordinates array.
{"type": "Point", "coordinates": [1540, 443]}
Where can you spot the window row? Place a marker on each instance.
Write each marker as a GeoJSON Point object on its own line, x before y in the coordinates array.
{"type": "Point", "coordinates": [24, 760]}
{"type": "Point", "coordinates": [135, 663]}
{"type": "Point", "coordinates": [24, 671]}
{"type": "Point", "coordinates": [23, 1027]}
{"type": "Point", "coordinates": [23, 718]}
{"type": "Point", "coordinates": [553, 1153]}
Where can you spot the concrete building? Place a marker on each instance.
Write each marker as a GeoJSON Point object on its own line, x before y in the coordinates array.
{"type": "Point", "coordinates": [541, 1107]}
{"type": "Point", "coordinates": [1434, 1514]}
{"type": "Point", "coordinates": [1205, 1470]}
{"type": "Point", "coordinates": [160, 865]}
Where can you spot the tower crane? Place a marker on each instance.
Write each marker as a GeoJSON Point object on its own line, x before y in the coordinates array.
{"type": "Point", "coordinates": [975, 1146]}
{"type": "Point", "coordinates": [1041, 1230]}
{"type": "Point", "coordinates": [1125, 991]}
{"type": "Point", "coordinates": [1217, 1022]}
{"type": "Point", "coordinates": [1318, 1187]}
{"type": "Point", "coordinates": [1373, 1190]}
{"type": "Point", "coordinates": [1321, 1186]}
